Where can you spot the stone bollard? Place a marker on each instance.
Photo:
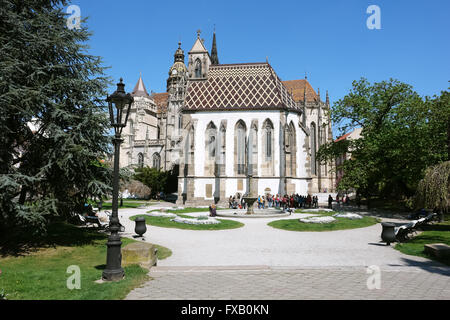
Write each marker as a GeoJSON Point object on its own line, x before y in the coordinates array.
{"type": "Point", "coordinates": [144, 254]}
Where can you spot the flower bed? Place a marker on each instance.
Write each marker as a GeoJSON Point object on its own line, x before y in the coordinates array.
{"type": "Point", "coordinates": [326, 219]}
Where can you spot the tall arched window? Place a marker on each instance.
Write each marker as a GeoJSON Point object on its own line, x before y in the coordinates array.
{"type": "Point", "coordinates": [158, 132]}
{"type": "Point", "coordinates": [268, 132]}
{"type": "Point", "coordinates": [313, 137]}
{"type": "Point", "coordinates": [198, 68]}
{"type": "Point", "coordinates": [156, 161]}
{"type": "Point", "coordinates": [130, 137]}
{"type": "Point", "coordinates": [140, 160]}
{"type": "Point", "coordinates": [211, 132]}
{"type": "Point", "coordinates": [240, 147]}
{"type": "Point", "coordinates": [267, 148]}
{"type": "Point", "coordinates": [291, 161]}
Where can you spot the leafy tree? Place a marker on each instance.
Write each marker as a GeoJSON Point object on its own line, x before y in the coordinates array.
{"type": "Point", "coordinates": [434, 189]}
{"type": "Point", "coordinates": [48, 79]}
{"type": "Point", "coordinates": [402, 134]}
{"type": "Point", "coordinates": [153, 178]}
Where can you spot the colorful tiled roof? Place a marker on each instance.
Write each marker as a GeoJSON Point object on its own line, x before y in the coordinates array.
{"type": "Point", "coordinates": [343, 137]}
{"type": "Point", "coordinates": [160, 100]}
{"type": "Point", "coordinates": [239, 86]}
{"type": "Point", "coordinates": [298, 88]}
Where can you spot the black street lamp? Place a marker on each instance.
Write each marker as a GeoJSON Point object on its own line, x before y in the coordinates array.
{"type": "Point", "coordinates": [118, 102]}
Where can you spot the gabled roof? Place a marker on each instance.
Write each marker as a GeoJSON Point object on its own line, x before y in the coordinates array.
{"type": "Point", "coordinates": [298, 88]}
{"type": "Point", "coordinates": [198, 46]}
{"type": "Point", "coordinates": [139, 89]}
{"type": "Point", "coordinates": [239, 86]}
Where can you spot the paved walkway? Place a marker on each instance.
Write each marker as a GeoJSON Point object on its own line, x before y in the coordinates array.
{"type": "Point", "coordinates": [258, 261]}
{"type": "Point", "coordinates": [272, 283]}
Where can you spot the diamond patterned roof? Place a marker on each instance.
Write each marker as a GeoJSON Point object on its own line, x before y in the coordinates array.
{"type": "Point", "coordinates": [239, 86]}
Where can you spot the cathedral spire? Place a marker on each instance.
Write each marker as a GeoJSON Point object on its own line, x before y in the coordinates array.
{"type": "Point", "coordinates": [214, 56]}
{"type": "Point", "coordinates": [327, 99]}
{"type": "Point", "coordinates": [139, 89]}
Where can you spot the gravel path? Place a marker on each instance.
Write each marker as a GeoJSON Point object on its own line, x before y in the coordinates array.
{"type": "Point", "coordinates": [261, 262]}
{"type": "Point", "coordinates": [259, 244]}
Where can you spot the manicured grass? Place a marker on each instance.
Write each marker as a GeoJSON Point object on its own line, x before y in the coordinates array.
{"type": "Point", "coordinates": [163, 252]}
{"type": "Point", "coordinates": [166, 223]}
{"type": "Point", "coordinates": [42, 274]}
{"type": "Point", "coordinates": [339, 224]}
{"type": "Point", "coordinates": [127, 204]}
{"type": "Point", "coordinates": [416, 245]}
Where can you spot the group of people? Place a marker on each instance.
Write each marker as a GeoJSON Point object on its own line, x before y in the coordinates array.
{"type": "Point", "coordinates": [236, 202]}
{"type": "Point", "coordinates": [277, 201]}
{"type": "Point", "coordinates": [344, 199]}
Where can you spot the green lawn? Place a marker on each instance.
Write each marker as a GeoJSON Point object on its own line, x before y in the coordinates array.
{"type": "Point", "coordinates": [339, 224]}
{"type": "Point", "coordinates": [416, 245]}
{"type": "Point", "coordinates": [166, 223]}
{"type": "Point", "coordinates": [126, 204]}
{"type": "Point", "coordinates": [42, 274]}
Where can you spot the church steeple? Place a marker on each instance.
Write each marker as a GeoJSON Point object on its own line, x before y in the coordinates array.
{"type": "Point", "coordinates": [139, 89]}
{"type": "Point", "coordinates": [179, 54]}
{"type": "Point", "coordinates": [214, 56]}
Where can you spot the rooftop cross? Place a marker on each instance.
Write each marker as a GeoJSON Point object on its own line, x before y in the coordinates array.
{"type": "Point", "coordinates": [198, 33]}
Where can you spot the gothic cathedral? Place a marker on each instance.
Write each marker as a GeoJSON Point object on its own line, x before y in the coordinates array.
{"type": "Point", "coordinates": [216, 124]}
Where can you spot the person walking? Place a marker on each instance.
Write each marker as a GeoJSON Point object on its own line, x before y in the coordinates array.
{"type": "Point", "coordinates": [330, 202]}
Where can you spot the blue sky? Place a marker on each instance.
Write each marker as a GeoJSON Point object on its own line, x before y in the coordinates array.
{"type": "Point", "coordinates": [329, 40]}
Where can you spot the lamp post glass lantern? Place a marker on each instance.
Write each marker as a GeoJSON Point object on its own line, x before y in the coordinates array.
{"type": "Point", "coordinates": [119, 104]}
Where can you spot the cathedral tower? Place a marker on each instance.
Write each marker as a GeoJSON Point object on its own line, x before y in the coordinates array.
{"type": "Point", "coordinates": [199, 60]}
{"type": "Point", "coordinates": [176, 89]}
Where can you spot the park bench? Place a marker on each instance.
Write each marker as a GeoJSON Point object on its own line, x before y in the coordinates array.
{"type": "Point", "coordinates": [403, 232]}
{"type": "Point", "coordinates": [90, 220]}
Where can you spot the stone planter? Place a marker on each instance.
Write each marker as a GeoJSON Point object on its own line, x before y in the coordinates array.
{"type": "Point", "coordinates": [388, 233]}
{"type": "Point", "coordinates": [141, 253]}
{"type": "Point", "coordinates": [141, 227]}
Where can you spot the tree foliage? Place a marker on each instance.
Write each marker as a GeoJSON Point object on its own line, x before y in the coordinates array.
{"type": "Point", "coordinates": [153, 178]}
{"type": "Point", "coordinates": [434, 189]}
{"type": "Point", "coordinates": [48, 79]}
{"type": "Point", "coordinates": [402, 134]}
{"type": "Point", "coordinates": [156, 180]}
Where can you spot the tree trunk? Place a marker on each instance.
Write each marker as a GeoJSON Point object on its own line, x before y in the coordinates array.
{"type": "Point", "coordinates": [23, 195]}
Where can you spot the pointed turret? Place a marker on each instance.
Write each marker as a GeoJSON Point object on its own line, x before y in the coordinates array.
{"type": "Point", "coordinates": [139, 89]}
{"type": "Point", "coordinates": [327, 100]}
{"type": "Point", "coordinates": [214, 56]}
{"type": "Point", "coordinates": [199, 60]}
